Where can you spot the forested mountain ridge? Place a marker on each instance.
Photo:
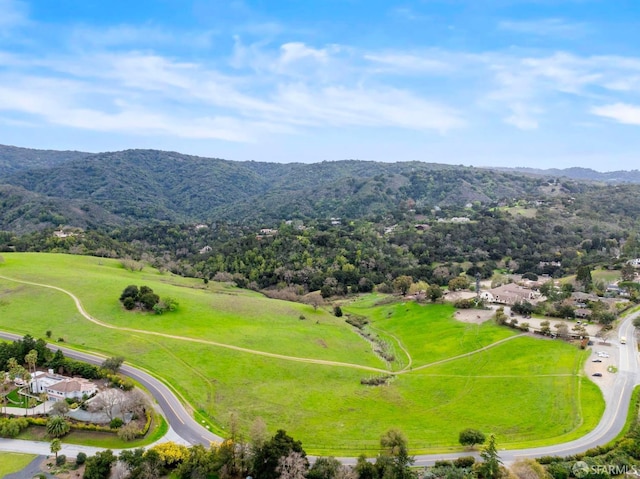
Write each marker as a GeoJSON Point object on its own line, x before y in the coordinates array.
{"type": "Point", "coordinates": [583, 174]}
{"type": "Point", "coordinates": [338, 226]}
{"type": "Point", "coordinates": [134, 186]}
{"type": "Point", "coordinates": [13, 158]}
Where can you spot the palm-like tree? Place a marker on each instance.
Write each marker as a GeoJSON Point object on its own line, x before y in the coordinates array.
{"type": "Point", "coordinates": [17, 371]}
{"type": "Point", "coordinates": [56, 445]}
{"type": "Point", "coordinates": [32, 360]}
{"type": "Point", "coordinates": [57, 426]}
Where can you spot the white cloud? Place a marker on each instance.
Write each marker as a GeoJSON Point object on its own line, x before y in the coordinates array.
{"type": "Point", "coordinates": [527, 86]}
{"type": "Point", "coordinates": [339, 106]}
{"type": "Point", "coordinates": [410, 62]}
{"type": "Point", "coordinates": [620, 112]}
{"type": "Point", "coordinates": [49, 100]}
{"type": "Point", "coordinates": [295, 51]}
{"type": "Point", "coordinates": [138, 36]}
{"type": "Point", "coordinates": [544, 27]}
{"type": "Point", "coordinates": [285, 88]}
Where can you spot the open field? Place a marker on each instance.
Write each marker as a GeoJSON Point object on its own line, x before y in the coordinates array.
{"type": "Point", "coordinates": [604, 275]}
{"type": "Point", "coordinates": [13, 462]}
{"type": "Point", "coordinates": [428, 333]}
{"type": "Point", "coordinates": [525, 390]}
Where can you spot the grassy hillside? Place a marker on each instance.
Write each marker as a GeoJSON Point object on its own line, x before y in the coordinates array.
{"type": "Point", "coordinates": [538, 386]}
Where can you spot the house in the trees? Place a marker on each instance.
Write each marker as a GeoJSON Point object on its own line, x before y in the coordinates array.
{"type": "Point", "coordinates": [510, 294]}
{"type": "Point", "coordinates": [75, 388]}
{"type": "Point", "coordinates": [59, 387]}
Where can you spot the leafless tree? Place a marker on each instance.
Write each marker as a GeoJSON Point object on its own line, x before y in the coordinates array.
{"type": "Point", "coordinates": [120, 471]}
{"type": "Point", "coordinates": [563, 330]}
{"type": "Point", "coordinates": [109, 402]}
{"type": "Point", "coordinates": [59, 408]}
{"type": "Point", "coordinates": [346, 472]}
{"type": "Point", "coordinates": [313, 299]}
{"type": "Point", "coordinates": [528, 469]}
{"type": "Point", "coordinates": [258, 433]}
{"type": "Point", "coordinates": [292, 466]}
{"type": "Point", "coordinates": [134, 402]}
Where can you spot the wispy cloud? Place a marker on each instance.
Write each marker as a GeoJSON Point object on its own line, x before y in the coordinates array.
{"type": "Point", "coordinates": [406, 62]}
{"type": "Point", "coordinates": [132, 79]}
{"type": "Point", "coordinates": [139, 36]}
{"type": "Point", "coordinates": [151, 94]}
{"type": "Point", "coordinates": [620, 112]}
{"type": "Point", "coordinates": [555, 27]}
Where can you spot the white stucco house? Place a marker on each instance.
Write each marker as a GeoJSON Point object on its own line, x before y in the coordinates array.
{"type": "Point", "coordinates": [59, 387]}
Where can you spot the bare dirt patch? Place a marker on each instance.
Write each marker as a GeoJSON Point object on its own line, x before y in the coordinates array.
{"type": "Point", "coordinates": [474, 316]}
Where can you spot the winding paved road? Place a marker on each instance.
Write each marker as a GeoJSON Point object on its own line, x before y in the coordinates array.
{"type": "Point", "coordinates": [614, 417]}
{"type": "Point", "coordinates": [177, 416]}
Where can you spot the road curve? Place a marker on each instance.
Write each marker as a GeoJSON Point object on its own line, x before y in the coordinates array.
{"type": "Point", "coordinates": [611, 423]}
{"type": "Point", "coordinates": [178, 417]}
{"type": "Point", "coordinates": [613, 420]}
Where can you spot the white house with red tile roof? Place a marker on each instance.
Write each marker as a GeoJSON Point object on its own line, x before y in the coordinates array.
{"type": "Point", "coordinates": [59, 387]}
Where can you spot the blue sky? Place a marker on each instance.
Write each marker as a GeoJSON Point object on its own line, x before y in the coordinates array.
{"type": "Point", "coordinates": [539, 83]}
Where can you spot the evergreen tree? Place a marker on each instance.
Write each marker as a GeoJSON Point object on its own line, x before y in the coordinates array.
{"type": "Point", "coordinates": [490, 467]}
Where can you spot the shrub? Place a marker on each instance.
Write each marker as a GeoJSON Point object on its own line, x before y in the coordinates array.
{"type": "Point", "coordinates": [61, 459]}
{"type": "Point", "coordinates": [12, 427]}
{"type": "Point", "coordinates": [376, 380]}
{"type": "Point", "coordinates": [384, 288]}
{"type": "Point", "coordinates": [81, 458]}
{"type": "Point", "coordinates": [129, 432]}
{"type": "Point", "coordinates": [558, 470]}
{"type": "Point", "coordinates": [147, 423]}
{"type": "Point", "coordinates": [464, 303]}
{"type": "Point", "coordinates": [464, 461]}
{"type": "Point", "coordinates": [115, 423]}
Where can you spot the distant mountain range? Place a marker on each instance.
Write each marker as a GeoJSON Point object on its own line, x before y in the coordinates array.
{"type": "Point", "coordinates": [42, 188]}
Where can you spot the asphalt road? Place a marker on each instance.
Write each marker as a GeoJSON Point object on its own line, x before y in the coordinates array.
{"type": "Point", "coordinates": [614, 417]}
{"type": "Point", "coordinates": [180, 420]}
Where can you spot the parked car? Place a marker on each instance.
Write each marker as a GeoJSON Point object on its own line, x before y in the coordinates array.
{"type": "Point", "coordinates": [598, 375]}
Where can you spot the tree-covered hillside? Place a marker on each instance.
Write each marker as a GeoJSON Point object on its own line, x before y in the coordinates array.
{"type": "Point", "coordinates": [143, 186]}
{"type": "Point", "coordinates": [13, 158]}
{"type": "Point", "coordinates": [342, 225]}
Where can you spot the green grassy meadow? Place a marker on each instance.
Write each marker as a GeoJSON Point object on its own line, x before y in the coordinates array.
{"type": "Point", "coordinates": [527, 391]}
{"type": "Point", "coordinates": [13, 462]}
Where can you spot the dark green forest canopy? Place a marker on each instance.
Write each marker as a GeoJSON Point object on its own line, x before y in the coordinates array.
{"type": "Point", "coordinates": [343, 225]}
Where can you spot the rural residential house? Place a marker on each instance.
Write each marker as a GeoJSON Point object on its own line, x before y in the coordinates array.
{"type": "Point", "coordinates": [510, 294]}
{"type": "Point", "coordinates": [59, 387]}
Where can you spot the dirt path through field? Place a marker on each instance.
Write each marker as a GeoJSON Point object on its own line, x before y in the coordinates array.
{"type": "Point", "coordinates": [323, 362]}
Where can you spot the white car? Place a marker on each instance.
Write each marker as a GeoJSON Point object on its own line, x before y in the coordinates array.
{"type": "Point", "coordinates": [603, 355]}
